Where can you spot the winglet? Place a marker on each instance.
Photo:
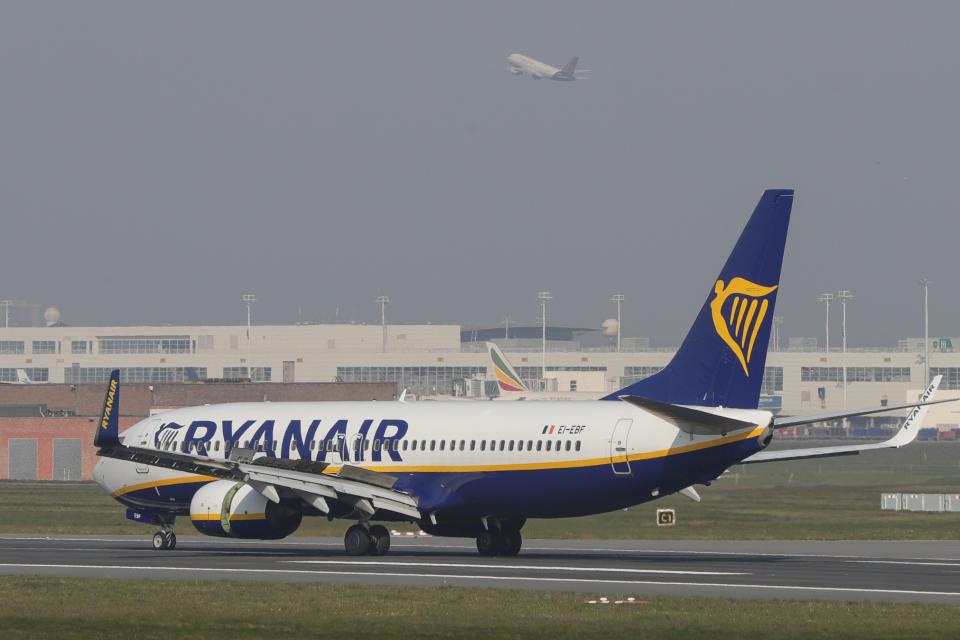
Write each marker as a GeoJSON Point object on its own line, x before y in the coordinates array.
{"type": "Point", "coordinates": [911, 426]}
{"type": "Point", "coordinates": [108, 431]}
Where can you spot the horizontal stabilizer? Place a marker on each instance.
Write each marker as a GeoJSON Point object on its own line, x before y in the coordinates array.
{"type": "Point", "coordinates": [907, 434]}
{"type": "Point", "coordinates": [791, 421]}
{"type": "Point", "coordinates": [693, 421]}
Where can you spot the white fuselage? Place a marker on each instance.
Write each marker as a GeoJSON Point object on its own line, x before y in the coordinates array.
{"type": "Point", "coordinates": [541, 459]}
{"type": "Point", "coordinates": [521, 64]}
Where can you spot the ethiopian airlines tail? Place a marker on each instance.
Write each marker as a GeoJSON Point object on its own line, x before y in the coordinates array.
{"type": "Point", "coordinates": [507, 377]}
{"type": "Point", "coordinates": [720, 362]}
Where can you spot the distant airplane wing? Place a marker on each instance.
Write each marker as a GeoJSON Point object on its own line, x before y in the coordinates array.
{"type": "Point", "coordinates": [907, 433]}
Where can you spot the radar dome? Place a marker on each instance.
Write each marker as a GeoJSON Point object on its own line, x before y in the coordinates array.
{"type": "Point", "coordinates": [610, 327]}
{"type": "Point", "coordinates": [51, 316]}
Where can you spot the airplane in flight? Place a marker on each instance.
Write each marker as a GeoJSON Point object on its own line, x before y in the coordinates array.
{"type": "Point", "coordinates": [521, 64]}
{"type": "Point", "coordinates": [479, 469]}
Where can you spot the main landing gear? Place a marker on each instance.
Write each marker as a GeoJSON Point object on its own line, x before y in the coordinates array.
{"type": "Point", "coordinates": [502, 542]}
{"type": "Point", "coordinates": [362, 539]}
{"type": "Point", "coordinates": [164, 540]}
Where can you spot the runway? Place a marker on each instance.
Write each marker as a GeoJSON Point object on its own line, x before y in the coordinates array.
{"type": "Point", "coordinates": [882, 571]}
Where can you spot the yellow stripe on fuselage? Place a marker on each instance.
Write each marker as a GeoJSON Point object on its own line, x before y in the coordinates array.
{"type": "Point", "coordinates": [161, 483]}
{"type": "Point", "coordinates": [557, 464]}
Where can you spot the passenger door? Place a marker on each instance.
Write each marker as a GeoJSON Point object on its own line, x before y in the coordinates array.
{"type": "Point", "coordinates": [618, 447]}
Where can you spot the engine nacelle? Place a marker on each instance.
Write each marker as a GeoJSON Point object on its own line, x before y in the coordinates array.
{"type": "Point", "coordinates": [236, 510]}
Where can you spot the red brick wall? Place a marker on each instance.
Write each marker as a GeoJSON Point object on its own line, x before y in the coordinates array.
{"type": "Point", "coordinates": [44, 431]}
{"type": "Point", "coordinates": [138, 399]}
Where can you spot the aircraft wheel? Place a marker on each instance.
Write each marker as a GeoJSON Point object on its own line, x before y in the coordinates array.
{"type": "Point", "coordinates": [379, 540]}
{"type": "Point", "coordinates": [356, 541]}
{"type": "Point", "coordinates": [159, 541]}
{"type": "Point", "coordinates": [487, 543]}
{"type": "Point", "coordinates": [171, 540]}
{"type": "Point", "coordinates": [510, 542]}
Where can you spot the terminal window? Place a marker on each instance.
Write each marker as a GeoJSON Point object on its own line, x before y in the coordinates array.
{"type": "Point", "coordinates": [36, 374]}
{"type": "Point", "coordinates": [636, 374]}
{"type": "Point", "coordinates": [878, 374]}
{"type": "Point", "coordinates": [821, 374]}
{"type": "Point", "coordinates": [772, 380]}
{"type": "Point", "coordinates": [144, 344]}
{"type": "Point", "coordinates": [235, 373]}
{"type": "Point", "coordinates": [78, 346]}
{"type": "Point", "coordinates": [261, 374]}
{"type": "Point", "coordinates": [44, 346]}
{"type": "Point", "coordinates": [951, 376]}
{"type": "Point", "coordinates": [422, 380]}
{"type": "Point", "coordinates": [100, 375]}
{"type": "Point", "coordinates": [8, 347]}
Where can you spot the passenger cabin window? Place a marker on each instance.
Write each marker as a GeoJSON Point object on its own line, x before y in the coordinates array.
{"type": "Point", "coordinates": [483, 445]}
{"type": "Point", "coordinates": [216, 446]}
{"type": "Point", "coordinates": [404, 445]}
{"type": "Point", "coordinates": [503, 444]}
{"type": "Point", "coordinates": [473, 445]}
{"type": "Point", "coordinates": [549, 444]}
{"type": "Point", "coordinates": [539, 445]}
{"type": "Point", "coordinates": [577, 446]}
{"type": "Point", "coordinates": [463, 445]}
{"type": "Point", "coordinates": [433, 444]}
{"type": "Point", "coordinates": [511, 445]}
{"type": "Point", "coordinates": [567, 446]}
{"type": "Point", "coordinates": [443, 443]}
{"type": "Point", "coordinates": [453, 445]}
{"type": "Point", "coordinates": [529, 445]}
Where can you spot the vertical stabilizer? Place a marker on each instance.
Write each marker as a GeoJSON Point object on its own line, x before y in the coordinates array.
{"type": "Point", "coordinates": [721, 361]}
{"type": "Point", "coordinates": [507, 377]}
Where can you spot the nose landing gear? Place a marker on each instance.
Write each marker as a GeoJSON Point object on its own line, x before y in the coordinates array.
{"type": "Point", "coordinates": [164, 540]}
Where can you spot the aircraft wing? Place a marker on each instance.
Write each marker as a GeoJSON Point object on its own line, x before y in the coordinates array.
{"type": "Point", "coordinates": [367, 491]}
{"type": "Point", "coordinates": [905, 435]}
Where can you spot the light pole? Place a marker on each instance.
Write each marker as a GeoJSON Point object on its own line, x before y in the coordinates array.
{"type": "Point", "coordinates": [844, 296]}
{"type": "Point", "coordinates": [6, 304]}
{"type": "Point", "coordinates": [777, 323]}
{"type": "Point", "coordinates": [925, 283]}
{"type": "Point", "coordinates": [248, 299]}
{"type": "Point", "coordinates": [383, 300]}
{"type": "Point", "coordinates": [826, 298]}
{"type": "Point", "coordinates": [506, 327]}
{"type": "Point", "coordinates": [618, 298]}
{"type": "Point", "coordinates": [543, 297]}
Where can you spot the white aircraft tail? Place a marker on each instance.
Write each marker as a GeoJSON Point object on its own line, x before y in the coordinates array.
{"type": "Point", "coordinates": [507, 377]}
{"type": "Point", "coordinates": [22, 377]}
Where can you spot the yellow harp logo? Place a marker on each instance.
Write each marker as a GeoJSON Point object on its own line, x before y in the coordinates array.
{"type": "Point", "coordinates": [738, 310]}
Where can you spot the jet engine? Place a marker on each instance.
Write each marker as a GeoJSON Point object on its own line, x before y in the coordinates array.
{"type": "Point", "coordinates": [236, 510]}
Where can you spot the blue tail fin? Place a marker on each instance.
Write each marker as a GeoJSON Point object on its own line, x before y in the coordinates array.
{"type": "Point", "coordinates": [721, 361]}
{"type": "Point", "coordinates": [108, 431]}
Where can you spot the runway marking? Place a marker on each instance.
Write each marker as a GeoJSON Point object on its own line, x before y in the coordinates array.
{"type": "Point", "coordinates": [533, 567]}
{"type": "Point", "coordinates": [908, 562]}
{"type": "Point", "coordinates": [773, 587]}
{"type": "Point", "coordinates": [414, 544]}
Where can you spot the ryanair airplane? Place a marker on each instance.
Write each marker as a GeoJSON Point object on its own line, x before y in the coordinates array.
{"type": "Point", "coordinates": [478, 469]}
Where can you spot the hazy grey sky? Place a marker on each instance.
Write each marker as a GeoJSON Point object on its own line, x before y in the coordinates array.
{"type": "Point", "coordinates": [159, 159]}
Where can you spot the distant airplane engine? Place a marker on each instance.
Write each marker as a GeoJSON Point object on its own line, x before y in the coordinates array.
{"type": "Point", "coordinates": [231, 509]}
{"type": "Point", "coordinates": [516, 72]}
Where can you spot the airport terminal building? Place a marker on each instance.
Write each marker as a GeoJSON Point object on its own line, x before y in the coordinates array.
{"type": "Point", "coordinates": [439, 360]}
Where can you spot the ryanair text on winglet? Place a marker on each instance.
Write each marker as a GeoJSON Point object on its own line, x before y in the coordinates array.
{"type": "Point", "coordinates": [108, 405]}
